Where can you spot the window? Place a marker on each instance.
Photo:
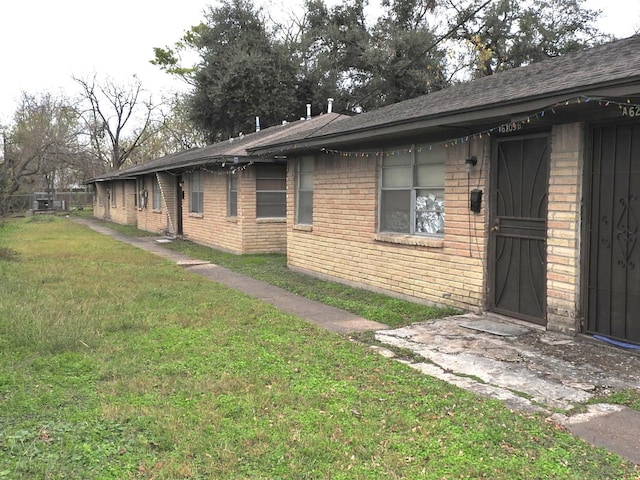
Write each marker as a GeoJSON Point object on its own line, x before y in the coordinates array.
{"type": "Point", "coordinates": [412, 191]}
{"type": "Point", "coordinates": [157, 196]}
{"type": "Point", "coordinates": [304, 203]}
{"type": "Point", "coordinates": [124, 195]}
{"type": "Point", "coordinates": [195, 184]}
{"type": "Point", "coordinates": [232, 195]}
{"type": "Point", "coordinates": [271, 191]}
{"type": "Point", "coordinates": [113, 194]}
{"type": "Point", "coordinates": [142, 193]}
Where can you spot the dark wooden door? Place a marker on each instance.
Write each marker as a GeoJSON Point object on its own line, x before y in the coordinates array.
{"type": "Point", "coordinates": [518, 223]}
{"type": "Point", "coordinates": [613, 199]}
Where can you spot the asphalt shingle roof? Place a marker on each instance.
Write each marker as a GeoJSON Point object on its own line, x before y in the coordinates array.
{"type": "Point", "coordinates": [226, 149]}
{"type": "Point", "coordinates": [610, 64]}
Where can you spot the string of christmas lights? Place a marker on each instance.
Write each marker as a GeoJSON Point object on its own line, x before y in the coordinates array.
{"type": "Point", "coordinates": [231, 171]}
{"type": "Point", "coordinates": [634, 110]}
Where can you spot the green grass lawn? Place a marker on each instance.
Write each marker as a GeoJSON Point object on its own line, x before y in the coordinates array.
{"type": "Point", "coordinates": [115, 364]}
{"type": "Point", "coordinates": [272, 268]}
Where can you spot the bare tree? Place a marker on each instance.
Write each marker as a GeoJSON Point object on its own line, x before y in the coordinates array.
{"type": "Point", "coordinates": [39, 147]}
{"type": "Point", "coordinates": [118, 119]}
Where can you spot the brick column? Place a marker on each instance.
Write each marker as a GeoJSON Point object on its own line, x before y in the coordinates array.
{"type": "Point", "coordinates": [563, 228]}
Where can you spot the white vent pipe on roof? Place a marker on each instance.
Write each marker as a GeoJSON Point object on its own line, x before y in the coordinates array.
{"type": "Point", "coordinates": [257, 124]}
{"type": "Point", "coordinates": [308, 111]}
{"type": "Point", "coordinates": [329, 105]}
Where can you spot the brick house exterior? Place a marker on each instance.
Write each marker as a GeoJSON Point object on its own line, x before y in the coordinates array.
{"type": "Point", "coordinates": [115, 201]}
{"type": "Point", "coordinates": [216, 195]}
{"type": "Point", "coordinates": [552, 147]}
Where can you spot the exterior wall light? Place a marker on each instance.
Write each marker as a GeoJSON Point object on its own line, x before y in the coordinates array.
{"type": "Point", "coordinates": [470, 162]}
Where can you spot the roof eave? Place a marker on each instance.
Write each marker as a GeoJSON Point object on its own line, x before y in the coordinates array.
{"type": "Point", "coordinates": [456, 118]}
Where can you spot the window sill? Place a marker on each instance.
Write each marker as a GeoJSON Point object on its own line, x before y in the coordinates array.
{"type": "Point", "coordinates": [156, 211]}
{"type": "Point", "coordinates": [413, 240]}
{"type": "Point", "coordinates": [303, 228]}
{"type": "Point", "coordinates": [195, 215]}
{"type": "Point", "coordinates": [271, 220]}
{"type": "Point", "coordinates": [232, 219]}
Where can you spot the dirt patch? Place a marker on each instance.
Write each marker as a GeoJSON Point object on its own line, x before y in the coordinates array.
{"type": "Point", "coordinates": [8, 254]}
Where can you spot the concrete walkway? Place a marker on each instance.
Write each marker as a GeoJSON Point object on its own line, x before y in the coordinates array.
{"type": "Point", "coordinates": [526, 367]}
{"type": "Point", "coordinates": [326, 316]}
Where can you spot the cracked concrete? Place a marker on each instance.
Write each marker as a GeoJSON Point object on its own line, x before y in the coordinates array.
{"type": "Point", "coordinates": [531, 370]}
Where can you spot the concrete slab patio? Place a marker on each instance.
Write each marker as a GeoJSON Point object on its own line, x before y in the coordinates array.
{"type": "Point", "coordinates": [530, 370]}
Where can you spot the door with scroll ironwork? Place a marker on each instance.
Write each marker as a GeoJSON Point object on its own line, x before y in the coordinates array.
{"type": "Point", "coordinates": [613, 205]}
{"type": "Point", "coordinates": [518, 238]}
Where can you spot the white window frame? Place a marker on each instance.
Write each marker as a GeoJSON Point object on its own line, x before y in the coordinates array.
{"type": "Point", "coordinates": [263, 175]}
{"type": "Point", "coordinates": [413, 170]}
{"type": "Point", "coordinates": [304, 183]}
{"type": "Point", "coordinates": [196, 192]}
{"type": "Point", "coordinates": [232, 195]}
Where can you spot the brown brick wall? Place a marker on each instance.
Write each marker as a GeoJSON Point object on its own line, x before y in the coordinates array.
{"type": "Point", "coordinates": [124, 211]}
{"type": "Point", "coordinates": [213, 227]}
{"type": "Point", "coordinates": [241, 234]}
{"type": "Point", "coordinates": [563, 228]}
{"type": "Point", "coordinates": [343, 243]}
{"type": "Point", "coordinates": [169, 190]}
{"type": "Point", "coordinates": [148, 219]}
{"type": "Point", "coordinates": [100, 200]}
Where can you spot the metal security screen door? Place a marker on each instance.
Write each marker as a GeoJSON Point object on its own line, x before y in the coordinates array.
{"type": "Point", "coordinates": [613, 296]}
{"type": "Point", "coordinates": [519, 228]}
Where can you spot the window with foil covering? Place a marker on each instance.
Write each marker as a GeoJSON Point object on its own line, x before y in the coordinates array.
{"type": "Point", "coordinates": [412, 191]}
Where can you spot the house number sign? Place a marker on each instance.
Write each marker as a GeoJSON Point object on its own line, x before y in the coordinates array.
{"type": "Point", "coordinates": [513, 127]}
{"type": "Point", "coordinates": [631, 111]}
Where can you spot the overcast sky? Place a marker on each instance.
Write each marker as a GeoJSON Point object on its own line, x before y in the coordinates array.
{"type": "Point", "coordinates": [47, 42]}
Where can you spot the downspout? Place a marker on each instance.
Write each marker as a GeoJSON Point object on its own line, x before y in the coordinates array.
{"type": "Point", "coordinates": [166, 206]}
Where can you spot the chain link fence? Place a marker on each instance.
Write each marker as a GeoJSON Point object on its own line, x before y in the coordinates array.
{"type": "Point", "coordinates": [43, 201]}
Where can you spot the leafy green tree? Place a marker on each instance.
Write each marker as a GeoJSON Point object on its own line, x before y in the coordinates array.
{"type": "Point", "coordinates": [405, 59]}
{"type": "Point", "coordinates": [511, 33]}
{"type": "Point", "coordinates": [364, 67]}
{"type": "Point", "coordinates": [242, 72]}
{"type": "Point", "coordinates": [332, 53]}
{"type": "Point", "coordinates": [249, 68]}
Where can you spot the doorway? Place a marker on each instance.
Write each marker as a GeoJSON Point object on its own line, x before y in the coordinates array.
{"type": "Point", "coordinates": [613, 215]}
{"type": "Point", "coordinates": [518, 227]}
